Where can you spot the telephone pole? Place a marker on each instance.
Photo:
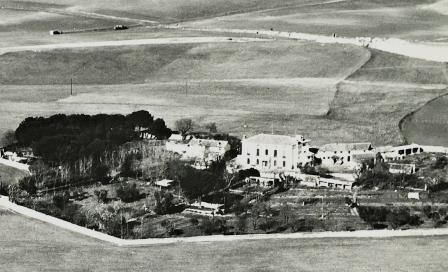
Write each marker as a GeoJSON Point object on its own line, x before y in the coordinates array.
{"type": "Point", "coordinates": [71, 86]}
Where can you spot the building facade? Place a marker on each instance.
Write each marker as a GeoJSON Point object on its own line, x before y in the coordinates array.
{"type": "Point", "coordinates": [344, 155]}
{"type": "Point", "coordinates": [266, 152]}
{"type": "Point", "coordinates": [202, 150]}
{"type": "Point", "coordinates": [395, 153]}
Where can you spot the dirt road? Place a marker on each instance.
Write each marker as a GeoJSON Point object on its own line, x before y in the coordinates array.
{"type": "Point", "coordinates": [156, 41]}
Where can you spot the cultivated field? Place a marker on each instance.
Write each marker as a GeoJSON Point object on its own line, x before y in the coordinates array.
{"type": "Point", "coordinates": [165, 11]}
{"type": "Point", "coordinates": [229, 83]}
{"type": "Point", "coordinates": [429, 125]}
{"type": "Point", "coordinates": [408, 19]}
{"type": "Point", "coordinates": [31, 245]}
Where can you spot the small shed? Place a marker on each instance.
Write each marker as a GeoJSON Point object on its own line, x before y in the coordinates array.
{"type": "Point", "coordinates": [164, 183]}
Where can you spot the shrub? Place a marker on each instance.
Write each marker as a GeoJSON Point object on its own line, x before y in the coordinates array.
{"type": "Point", "coordinates": [28, 184]}
{"type": "Point", "coordinates": [3, 189]}
{"type": "Point", "coordinates": [164, 202]}
{"type": "Point", "coordinates": [128, 193]}
{"type": "Point", "coordinates": [101, 195]}
{"type": "Point", "coordinates": [305, 224]}
{"type": "Point", "coordinates": [210, 226]}
{"type": "Point", "coordinates": [60, 200]}
{"type": "Point", "coordinates": [373, 215]}
{"type": "Point", "coordinates": [376, 216]}
{"type": "Point", "coordinates": [440, 163]}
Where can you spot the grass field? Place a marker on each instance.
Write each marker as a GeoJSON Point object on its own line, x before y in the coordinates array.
{"type": "Point", "coordinates": [384, 91]}
{"type": "Point", "coordinates": [429, 124]}
{"type": "Point", "coordinates": [31, 245]}
{"type": "Point", "coordinates": [387, 67]}
{"type": "Point", "coordinates": [10, 175]}
{"type": "Point", "coordinates": [400, 19]}
{"type": "Point", "coordinates": [168, 11]}
{"type": "Point", "coordinates": [246, 88]}
{"type": "Point", "coordinates": [137, 64]}
{"type": "Point", "coordinates": [227, 83]}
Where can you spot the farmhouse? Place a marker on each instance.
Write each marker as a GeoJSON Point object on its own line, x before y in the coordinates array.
{"type": "Point", "coordinates": [344, 155]}
{"type": "Point", "coordinates": [203, 150]}
{"type": "Point", "coordinates": [274, 152]}
{"type": "Point", "coordinates": [394, 153]}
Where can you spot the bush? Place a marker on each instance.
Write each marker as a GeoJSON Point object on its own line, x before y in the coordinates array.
{"type": "Point", "coordinates": [101, 195]}
{"type": "Point", "coordinates": [28, 184]}
{"type": "Point", "coordinates": [60, 200]}
{"type": "Point", "coordinates": [128, 193]}
{"type": "Point", "coordinates": [164, 202]}
{"type": "Point", "coordinates": [440, 163]}
{"type": "Point", "coordinates": [213, 226]}
{"type": "Point", "coordinates": [3, 189]}
{"type": "Point", "coordinates": [376, 216]}
{"type": "Point", "coordinates": [306, 224]}
{"type": "Point", "coordinates": [372, 215]}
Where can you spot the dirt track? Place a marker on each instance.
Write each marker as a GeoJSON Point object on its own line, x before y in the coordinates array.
{"type": "Point", "coordinates": [179, 40]}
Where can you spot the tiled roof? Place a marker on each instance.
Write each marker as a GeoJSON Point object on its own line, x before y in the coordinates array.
{"type": "Point", "coordinates": [273, 139]}
{"type": "Point", "coordinates": [401, 166]}
{"type": "Point", "coordinates": [345, 147]}
{"type": "Point", "coordinates": [208, 143]}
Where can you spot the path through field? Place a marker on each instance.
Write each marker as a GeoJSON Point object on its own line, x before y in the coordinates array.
{"type": "Point", "coordinates": [156, 41]}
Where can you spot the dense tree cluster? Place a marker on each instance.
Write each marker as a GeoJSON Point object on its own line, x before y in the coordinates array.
{"type": "Point", "coordinates": [67, 138]}
{"type": "Point", "coordinates": [196, 183]}
{"type": "Point", "coordinates": [379, 176]}
{"type": "Point", "coordinates": [128, 193]}
{"type": "Point", "coordinates": [381, 217]}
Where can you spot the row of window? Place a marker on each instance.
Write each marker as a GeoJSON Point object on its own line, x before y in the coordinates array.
{"type": "Point", "coordinates": [266, 152]}
{"type": "Point", "coordinates": [265, 164]}
{"type": "Point", "coordinates": [323, 158]}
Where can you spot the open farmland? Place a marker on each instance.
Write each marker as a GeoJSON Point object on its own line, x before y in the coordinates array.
{"type": "Point", "coordinates": [31, 245]}
{"type": "Point", "coordinates": [377, 96]}
{"type": "Point", "coordinates": [408, 19]}
{"type": "Point", "coordinates": [171, 62]}
{"type": "Point", "coordinates": [162, 10]}
{"type": "Point", "coordinates": [429, 124]}
{"type": "Point", "coordinates": [226, 83]}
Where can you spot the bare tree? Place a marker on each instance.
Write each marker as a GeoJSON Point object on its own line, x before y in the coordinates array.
{"type": "Point", "coordinates": [184, 126]}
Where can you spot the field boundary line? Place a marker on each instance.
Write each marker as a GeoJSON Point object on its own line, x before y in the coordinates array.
{"type": "Point", "coordinates": [4, 201]}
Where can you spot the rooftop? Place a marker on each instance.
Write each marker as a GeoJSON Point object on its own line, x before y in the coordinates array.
{"type": "Point", "coordinates": [275, 139]}
{"type": "Point", "coordinates": [401, 166]}
{"type": "Point", "coordinates": [208, 142]}
{"type": "Point", "coordinates": [164, 182]}
{"type": "Point", "coordinates": [346, 147]}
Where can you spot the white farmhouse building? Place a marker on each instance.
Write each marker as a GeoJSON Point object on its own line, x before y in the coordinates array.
{"type": "Point", "coordinates": [267, 152]}
{"type": "Point", "coordinates": [344, 155]}
{"type": "Point", "coordinates": [197, 149]}
{"type": "Point", "coordinates": [395, 153]}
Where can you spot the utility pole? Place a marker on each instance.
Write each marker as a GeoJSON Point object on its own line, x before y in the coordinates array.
{"type": "Point", "coordinates": [71, 86]}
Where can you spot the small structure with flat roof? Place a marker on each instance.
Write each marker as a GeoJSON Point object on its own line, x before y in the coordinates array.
{"type": "Point", "coordinates": [164, 183]}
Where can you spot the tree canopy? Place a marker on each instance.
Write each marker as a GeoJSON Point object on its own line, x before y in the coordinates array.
{"type": "Point", "coordinates": [66, 138]}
